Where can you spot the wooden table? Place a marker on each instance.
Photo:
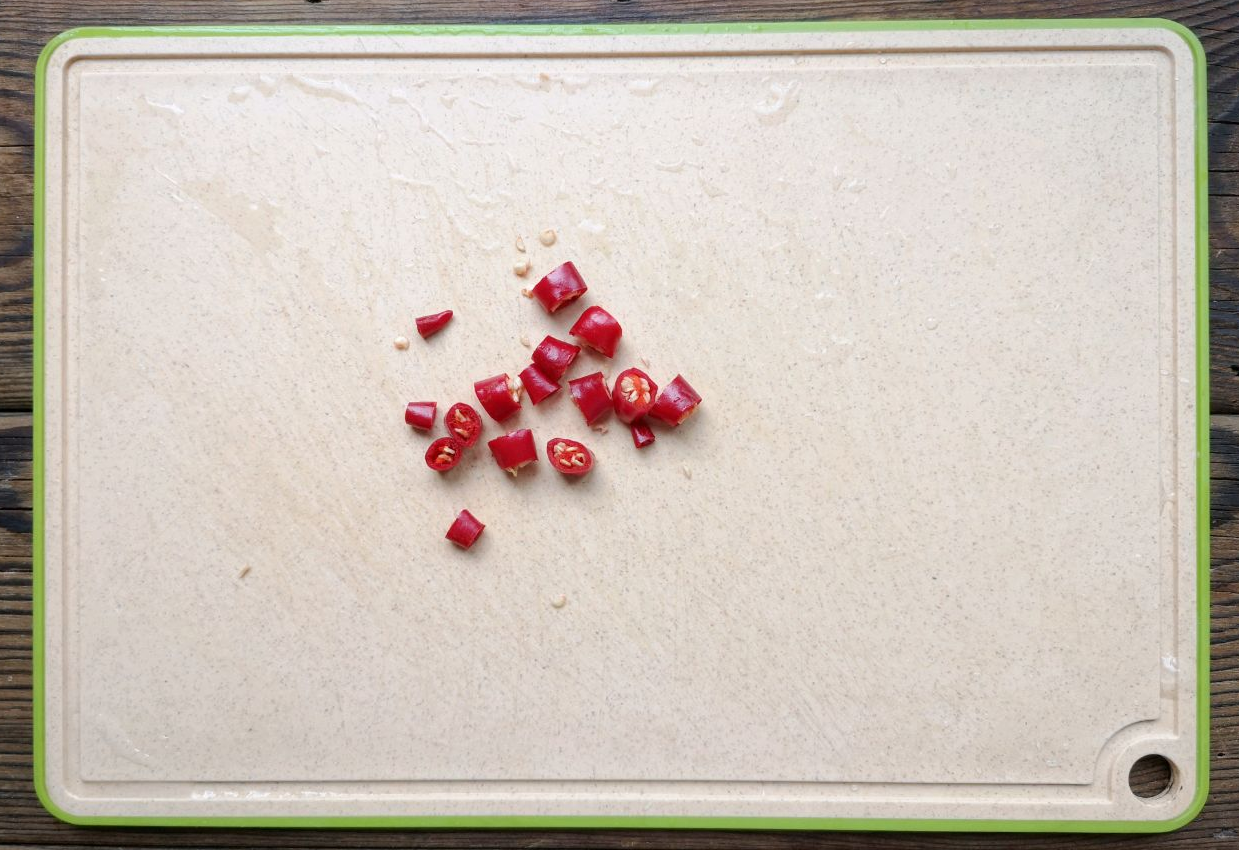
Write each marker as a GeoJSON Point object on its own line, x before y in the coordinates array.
{"type": "Point", "coordinates": [26, 25]}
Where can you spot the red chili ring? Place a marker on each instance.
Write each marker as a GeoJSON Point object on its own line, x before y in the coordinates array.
{"type": "Point", "coordinates": [465, 530]}
{"type": "Point", "coordinates": [676, 402]}
{"type": "Point", "coordinates": [514, 450]}
{"type": "Point", "coordinates": [444, 453]}
{"type": "Point", "coordinates": [464, 423]}
{"type": "Point", "coordinates": [569, 456]}
{"type": "Point", "coordinates": [500, 396]}
{"type": "Point", "coordinates": [561, 286]}
{"type": "Point", "coordinates": [599, 330]}
{"type": "Point", "coordinates": [633, 395]}
{"type": "Point", "coordinates": [554, 356]}
{"type": "Point", "coordinates": [420, 414]}
{"type": "Point", "coordinates": [430, 325]}
{"type": "Point", "coordinates": [538, 386]}
{"type": "Point", "coordinates": [642, 435]}
{"type": "Point", "coordinates": [590, 395]}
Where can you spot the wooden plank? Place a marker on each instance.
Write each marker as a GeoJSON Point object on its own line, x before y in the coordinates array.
{"type": "Point", "coordinates": [1224, 340]}
{"type": "Point", "coordinates": [16, 186]}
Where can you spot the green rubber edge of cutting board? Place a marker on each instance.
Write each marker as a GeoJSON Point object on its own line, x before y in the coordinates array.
{"type": "Point", "coordinates": [656, 822]}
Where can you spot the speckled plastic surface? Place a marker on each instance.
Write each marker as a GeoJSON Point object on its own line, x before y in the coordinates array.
{"type": "Point", "coordinates": [927, 551]}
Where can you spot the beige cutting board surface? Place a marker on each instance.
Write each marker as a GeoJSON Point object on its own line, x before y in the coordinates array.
{"type": "Point", "coordinates": [928, 549]}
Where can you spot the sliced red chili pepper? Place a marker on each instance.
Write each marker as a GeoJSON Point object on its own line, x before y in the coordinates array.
{"type": "Point", "coordinates": [561, 286]}
{"type": "Point", "coordinates": [676, 402]}
{"type": "Point", "coordinates": [554, 356]}
{"type": "Point", "coordinates": [444, 453]}
{"type": "Point", "coordinates": [514, 450]}
{"type": "Point", "coordinates": [500, 396]}
{"type": "Point", "coordinates": [464, 423]}
{"type": "Point", "coordinates": [569, 456]}
{"type": "Point", "coordinates": [420, 414]}
{"type": "Point", "coordinates": [633, 395]}
{"type": "Point", "coordinates": [465, 530]}
{"type": "Point", "coordinates": [590, 395]}
{"type": "Point", "coordinates": [430, 325]}
{"type": "Point", "coordinates": [599, 330]}
{"type": "Point", "coordinates": [642, 435]}
{"type": "Point", "coordinates": [538, 386]}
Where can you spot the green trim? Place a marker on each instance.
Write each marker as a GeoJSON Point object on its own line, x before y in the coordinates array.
{"type": "Point", "coordinates": [931, 825]}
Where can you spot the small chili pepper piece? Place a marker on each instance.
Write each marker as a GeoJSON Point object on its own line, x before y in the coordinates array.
{"type": "Point", "coordinates": [590, 395]}
{"type": "Point", "coordinates": [444, 453]}
{"type": "Point", "coordinates": [633, 395]}
{"type": "Point", "coordinates": [430, 325]}
{"type": "Point", "coordinates": [554, 356]}
{"type": "Point", "coordinates": [561, 286]}
{"type": "Point", "coordinates": [465, 530]}
{"type": "Point", "coordinates": [538, 386]}
{"type": "Point", "coordinates": [514, 450]}
{"type": "Point", "coordinates": [500, 396]}
{"type": "Point", "coordinates": [676, 402]}
{"type": "Point", "coordinates": [642, 435]}
{"type": "Point", "coordinates": [569, 456]}
{"type": "Point", "coordinates": [599, 330]}
{"type": "Point", "coordinates": [464, 423]}
{"type": "Point", "coordinates": [420, 414]}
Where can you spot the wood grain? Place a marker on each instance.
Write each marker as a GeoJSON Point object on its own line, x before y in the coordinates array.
{"type": "Point", "coordinates": [25, 25]}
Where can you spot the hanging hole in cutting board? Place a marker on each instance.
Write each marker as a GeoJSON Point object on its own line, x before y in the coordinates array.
{"type": "Point", "coordinates": [1151, 776]}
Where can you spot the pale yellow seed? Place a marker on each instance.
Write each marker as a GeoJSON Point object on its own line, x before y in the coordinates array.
{"type": "Point", "coordinates": [528, 293]}
{"type": "Point", "coordinates": [578, 461]}
{"type": "Point", "coordinates": [244, 571]}
{"type": "Point", "coordinates": [448, 450]}
{"type": "Point", "coordinates": [559, 601]}
{"type": "Point", "coordinates": [460, 417]}
{"type": "Point", "coordinates": [547, 237]}
{"type": "Point", "coordinates": [401, 342]}
{"type": "Point", "coordinates": [688, 473]}
{"type": "Point", "coordinates": [524, 340]}
{"type": "Point", "coordinates": [601, 429]}
{"type": "Point", "coordinates": [520, 244]}
{"type": "Point", "coordinates": [521, 267]}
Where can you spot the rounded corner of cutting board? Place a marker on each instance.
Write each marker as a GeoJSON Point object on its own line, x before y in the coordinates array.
{"type": "Point", "coordinates": [1186, 34]}
{"type": "Point", "coordinates": [48, 797]}
{"type": "Point", "coordinates": [57, 42]}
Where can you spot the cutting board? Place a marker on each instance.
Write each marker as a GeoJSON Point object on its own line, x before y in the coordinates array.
{"type": "Point", "coordinates": [932, 555]}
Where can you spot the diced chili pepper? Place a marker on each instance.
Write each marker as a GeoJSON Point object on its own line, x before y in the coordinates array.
{"type": "Point", "coordinates": [500, 396]}
{"type": "Point", "coordinates": [554, 356]}
{"type": "Point", "coordinates": [464, 423]}
{"type": "Point", "coordinates": [676, 402]}
{"type": "Point", "coordinates": [420, 414]}
{"type": "Point", "coordinates": [590, 395]}
{"type": "Point", "coordinates": [561, 286]}
{"type": "Point", "coordinates": [444, 453]}
{"type": "Point", "coordinates": [465, 530]}
{"type": "Point", "coordinates": [642, 435]}
{"type": "Point", "coordinates": [633, 395]}
{"type": "Point", "coordinates": [514, 450]}
{"type": "Point", "coordinates": [569, 456]}
{"type": "Point", "coordinates": [430, 325]}
{"type": "Point", "coordinates": [538, 386]}
{"type": "Point", "coordinates": [599, 330]}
